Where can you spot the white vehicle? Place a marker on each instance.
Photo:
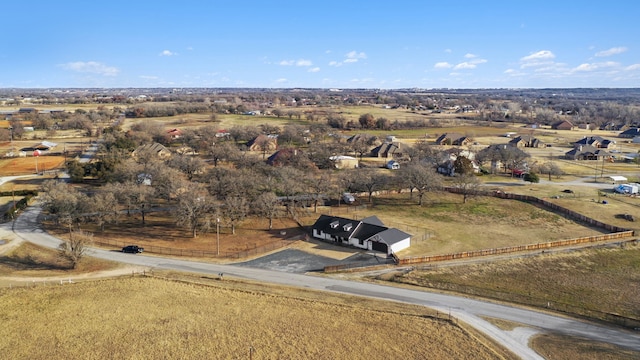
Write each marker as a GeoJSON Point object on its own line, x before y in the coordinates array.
{"type": "Point", "coordinates": [629, 189]}
{"type": "Point", "coordinates": [348, 198]}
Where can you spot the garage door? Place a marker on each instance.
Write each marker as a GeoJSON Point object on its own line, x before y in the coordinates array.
{"type": "Point", "coordinates": [379, 246]}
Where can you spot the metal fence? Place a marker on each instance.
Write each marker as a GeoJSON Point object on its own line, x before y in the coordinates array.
{"type": "Point", "coordinates": [213, 253]}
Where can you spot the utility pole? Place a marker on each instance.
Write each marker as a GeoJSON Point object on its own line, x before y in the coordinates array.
{"type": "Point", "coordinates": [218, 236]}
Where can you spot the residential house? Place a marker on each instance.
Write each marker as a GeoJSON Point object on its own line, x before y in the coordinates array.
{"type": "Point", "coordinates": [291, 157]}
{"type": "Point", "coordinates": [368, 233]}
{"type": "Point", "coordinates": [389, 150]}
{"type": "Point", "coordinates": [344, 162]}
{"type": "Point", "coordinates": [562, 125]}
{"type": "Point", "coordinates": [525, 141]}
{"type": "Point", "coordinates": [263, 142]}
{"type": "Point", "coordinates": [174, 133]}
{"type": "Point", "coordinates": [45, 146]}
{"type": "Point", "coordinates": [453, 139]}
{"type": "Point", "coordinates": [630, 133]}
{"type": "Point", "coordinates": [611, 126]}
{"type": "Point", "coordinates": [587, 152]}
{"type": "Point", "coordinates": [447, 166]}
{"type": "Point", "coordinates": [596, 141]}
{"type": "Point", "coordinates": [159, 150]}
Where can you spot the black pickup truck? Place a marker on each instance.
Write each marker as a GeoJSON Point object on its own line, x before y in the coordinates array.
{"type": "Point", "coordinates": [133, 249]}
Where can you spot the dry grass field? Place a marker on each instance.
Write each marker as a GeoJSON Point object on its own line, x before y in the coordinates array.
{"type": "Point", "coordinates": [29, 261]}
{"type": "Point", "coordinates": [554, 347]}
{"type": "Point", "coordinates": [152, 318]}
{"type": "Point", "coordinates": [593, 283]}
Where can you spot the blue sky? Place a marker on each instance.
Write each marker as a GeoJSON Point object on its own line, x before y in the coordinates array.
{"type": "Point", "coordinates": [320, 44]}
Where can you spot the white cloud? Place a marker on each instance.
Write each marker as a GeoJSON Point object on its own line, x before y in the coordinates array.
{"type": "Point", "coordinates": [301, 62]}
{"type": "Point", "coordinates": [595, 66]}
{"type": "Point", "coordinates": [448, 51]}
{"type": "Point", "coordinates": [470, 64]}
{"type": "Point", "coordinates": [350, 57]}
{"type": "Point", "coordinates": [91, 67]}
{"type": "Point", "coordinates": [470, 56]}
{"type": "Point", "coordinates": [314, 70]}
{"type": "Point", "coordinates": [442, 65]}
{"type": "Point", "coordinates": [633, 67]}
{"type": "Point", "coordinates": [540, 58]}
{"type": "Point", "coordinates": [356, 55]}
{"type": "Point", "coordinates": [612, 51]}
{"type": "Point", "coordinates": [148, 77]}
{"type": "Point", "coordinates": [282, 80]}
{"type": "Point", "coordinates": [465, 65]}
{"type": "Point", "coordinates": [540, 55]}
{"type": "Point", "coordinates": [168, 53]}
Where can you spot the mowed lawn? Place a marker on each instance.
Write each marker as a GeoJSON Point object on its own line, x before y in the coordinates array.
{"type": "Point", "coordinates": [152, 318]}
{"type": "Point", "coordinates": [444, 224]}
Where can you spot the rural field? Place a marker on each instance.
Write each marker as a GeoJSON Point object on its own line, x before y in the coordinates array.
{"type": "Point", "coordinates": [207, 318]}
{"type": "Point", "coordinates": [601, 283]}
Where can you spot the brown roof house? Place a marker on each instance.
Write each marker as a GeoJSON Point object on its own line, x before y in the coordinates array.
{"type": "Point", "coordinates": [562, 125]}
{"type": "Point", "coordinates": [596, 141]}
{"type": "Point", "coordinates": [155, 149]}
{"type": "Point", "coordinates": [526, 141]}
{"type": "Point", "coordinates": [263, 142]}
{"type": "Point", "coordinates": [453, 139]}
{"type": "Point", "coordinates": [389, 150]}
{"type": "Point", "coordinates": [587, 152]}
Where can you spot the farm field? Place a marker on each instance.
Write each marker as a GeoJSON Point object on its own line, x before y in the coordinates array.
{"type": "Point", "coordinates": [207, 318]}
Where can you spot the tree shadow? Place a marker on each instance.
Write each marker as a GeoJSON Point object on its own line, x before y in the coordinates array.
{"type": "Point", "coordinates": [29, 262]}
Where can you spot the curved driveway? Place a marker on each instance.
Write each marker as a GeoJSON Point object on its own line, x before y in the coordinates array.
{"type": "Point", "coordinates": [467, 310]}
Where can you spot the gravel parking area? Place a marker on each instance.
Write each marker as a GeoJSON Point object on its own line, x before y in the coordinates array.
{"type": "Point", "coordinates": [297, 261]}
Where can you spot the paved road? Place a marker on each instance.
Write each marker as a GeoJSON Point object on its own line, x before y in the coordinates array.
{"type": "Point", "coordinates": [467, 310]}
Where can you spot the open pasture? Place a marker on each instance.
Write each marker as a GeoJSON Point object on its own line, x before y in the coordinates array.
{"type": "Point", "coordinates": [207, 318]}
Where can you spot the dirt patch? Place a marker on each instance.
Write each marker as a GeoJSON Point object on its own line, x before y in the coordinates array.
{"type": "Point", "coordinates": [160, 234]}
{"type": "Point", "coordinates": [27, 165]}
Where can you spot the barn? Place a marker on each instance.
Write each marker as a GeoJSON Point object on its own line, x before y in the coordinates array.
{"type": "Point", "coordinates": [368, 233]}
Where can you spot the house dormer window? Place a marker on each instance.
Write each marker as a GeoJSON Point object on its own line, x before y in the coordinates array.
{"type": "Point", "coordinates": [334, 224]}
{"type": "Point", "coordinates": [347, 227]}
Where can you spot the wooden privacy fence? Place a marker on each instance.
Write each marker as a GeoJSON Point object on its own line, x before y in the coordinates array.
{"type": "Point", "coordinates": [512, 249]}
{"type": "Point", "coordinates": [617, 232]}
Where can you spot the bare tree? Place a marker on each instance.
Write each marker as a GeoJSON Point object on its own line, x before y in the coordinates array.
{"type": "Point", "coordinates": [319, 186]}
{"type": "Point", "coordinates": [468, 184]}
{"type": "Point", "coordinates": [189, 165]}
{"type": "Point", "coordinates": [370, 182]}
{"type": "Point", "coordinates": [73, 250]}
{"type": "Point", "coordinates": [267, 205]}
{"type": "Point", "coordinates": [103, 207]}
{"type": "Point", "coordinates": [422, 178]}
{"type": "Point", "coordinates": [137, 197]}
{"type": "Point", "coordinates": [61, 201]}
{"type": "Point", "coordinates": [195, 210]}
{"type": "Point", "coordinates": [235, 210]}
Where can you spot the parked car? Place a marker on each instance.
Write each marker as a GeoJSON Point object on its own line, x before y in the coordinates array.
{"type": "Point", "coordinates": [348, 198]}
{"type": "Point", "coordinates": [132, 249]}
